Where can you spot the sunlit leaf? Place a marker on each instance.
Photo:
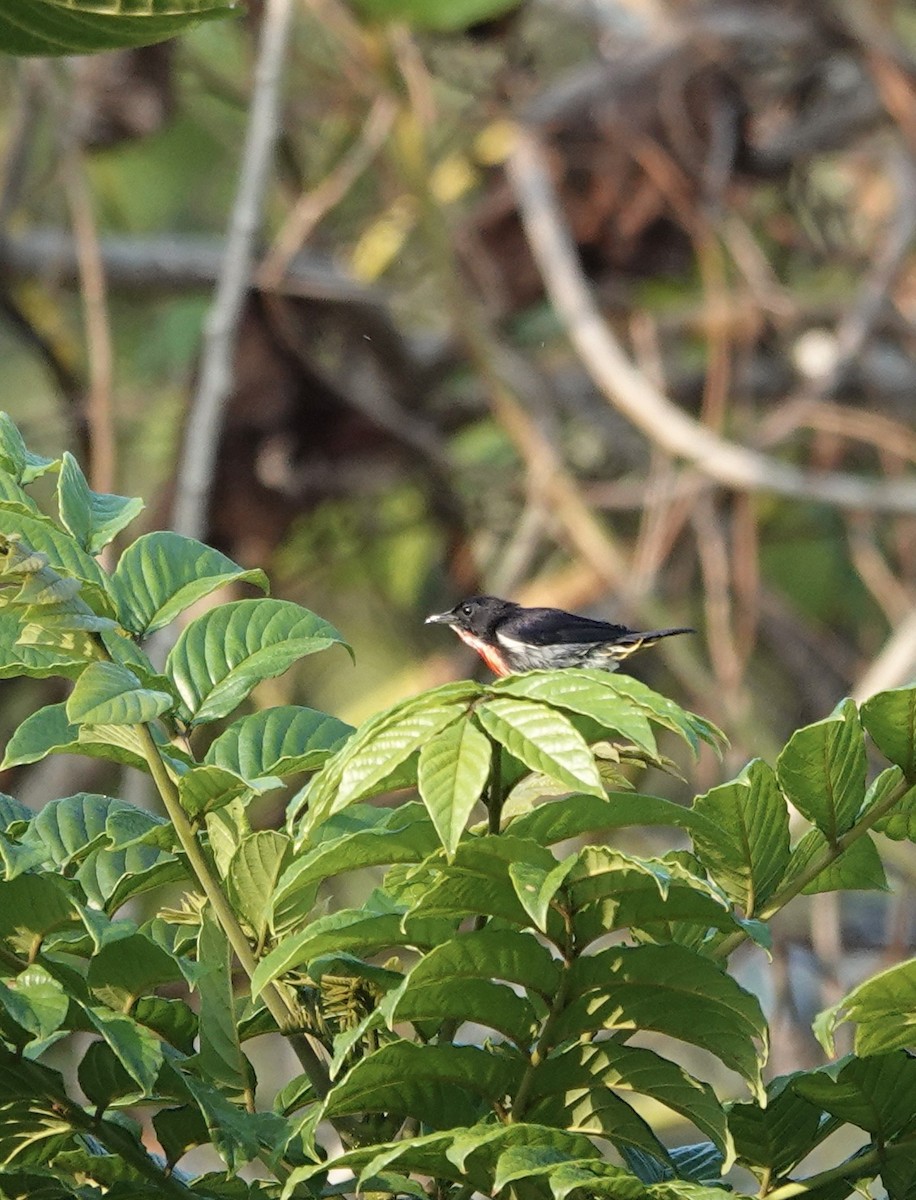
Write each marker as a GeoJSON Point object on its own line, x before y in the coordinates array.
{"type": "Point", "coordinates": [109, 694]}
{"type": "Point", "coordinates": [278, 741]}
{"type": "Point", "coordinates": [543, 739]}
{"type": "Point", "coordinates": [822, 771]}
{"type": "Point", "coordinates": [452, 772]}
{"type": "Point", "coordinates": [94, 518]}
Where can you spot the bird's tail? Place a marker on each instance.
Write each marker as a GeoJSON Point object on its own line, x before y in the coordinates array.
{"type": "Point", "coordinates": [632, 642]}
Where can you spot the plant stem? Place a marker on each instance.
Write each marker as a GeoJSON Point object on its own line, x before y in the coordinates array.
{"type": "Point", "coordinates": [280, 1005]}
{"type": "Point", "coordinates": [811, 872]}
{"type": "Point", "coordinates": [865, 1164]}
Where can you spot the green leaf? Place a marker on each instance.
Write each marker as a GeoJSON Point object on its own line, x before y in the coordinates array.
{"type": "Point", "coordinates": [206, 789]}
{"type": "Point", "coordinates": [544, 740]}
{"type": "Point", "coordinates": [94, 518]}
{"type": "Point", "coordinates": [446, 16]}
{"type": "Point", "coordinates": [890, 718]}
{"type": "Point", "coordinates": [38, 661]}
{"type": "Point", "coordinates": [36, 1002]}
{"type": "Point", "coordinates": [239, 1136]}
{"type": "Point", "coordinates": [221, 1059]}
{"type": "Point", "coordinates": [54, 27]}
{"type": "Point", "coordinates": [744, 840]}
{"type": "Point", "coordinates": [278, 741]}
{"type": "Point", "coordinates": [883, 1008]}
{"type": "Point", "coordinates": [31, 907]}
{"type": "Point", "coordinates": [580, 1078]}
{"type": "Point", "coordinates": [610, 890]}
{"type": "Point", "coordinates": [64, 555]}
{"type": "Point", "coordinates": [161, 574]}
{"type": "Point", "coordinates": [822, 770]}
{"type": "Point", "coordinates": [440, 1085]}
{"type": "Point", "coordinates": [360, 836]}
{"type": "Point", "coordinates": [777, 1136]}
{"type": "Point", "coordinates": [858, 868]}
{"type": "Point", "coordinates": [111, 877]}
{"type": "Point", "coordinates": [109, 694]}
{"type": "Point", "coordinates": [252, 878]}
{"type": "Point", "coordinates": [47, 731]}
{"type": "Point", "coordinates": [878, 1094]}
{"type": "Point", "coordinates": [452, 773]}
{"type": "Point", "coordinates": [573, 816]}
{"type": "Point", "coordinates": [364, 768]}
{"type": "Point", "coordinates": [671, 990]}
{"type": "Point", "coordinates": [536, 887]}
{"type": "Point", "coordinates": [123, 971]}
{"type": "Point", "coordinates": [104, 1079]}
{"type": "Point", "coordinates": [137, 1049]}
{"type": "Point", "coordinates": [457, 981]}
{"type": "Point", "coordinates": [21, 463]}
{"type": "Point", "coordinates": [12, 811]}
{"type": "Point", "coordinates": [227, 651]}
{"type": "Point", "coordinates": [577, 692]}
{"type": "Point", "coordinates": [69, 830]}
{"type": "Point", "coordinates": [171, 1019]}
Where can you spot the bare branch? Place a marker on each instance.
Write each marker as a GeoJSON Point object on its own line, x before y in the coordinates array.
{"type": "Point", "coordinates": [195, 475]}
{"type": "Point", "coordinates": [628, 390]}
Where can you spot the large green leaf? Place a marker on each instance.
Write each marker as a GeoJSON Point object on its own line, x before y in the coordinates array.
{"type": "Point", "coordinates": [111, 877]}
{"type": "Point", "coordinates": [878, 1094]}
{"type": "Point", "coordinates": [137, 1049]}
{"type": "Point", "coordinates": [770, 1139]}
{"type": "Point", "coordinates": [109, 694]}
{"type": "Point", "coordinates": [206, 789]}
{"type": "Point", "coordinates": [452, 772]}
{"type": "Point", "coordinates": [573, 816]}
{"type": "Point", "coordinates": [822, 771]}
{"type": "Point", "coordinates": [890, 718]}
{"type": "Point", "coordinates": [360, 836]}
{"type": "Point", "coordinates": [611, 890]}
{"type": "Point", "coordinates": [103, 1078]}
{"type": "Point", "coordinates": [595, 1069]}
{"type": "Point", "coordinates": [161, 574]}
{"type": "Point", "coordinates": [68, 830]}
{"type": "Point", "coordinates": [49, 27]}
{"type": "Point", "coordinates": [744, 841]}
{"type": "Point", "coordinates": [439, 1085]}
{"type": "Point", "coordinates": [47, 731]}
{"type": "Point", "coordinates": [674, 991]}
{"type": "Point", "coordinates": [252, 878]}
{"type": "Point", "coordinates": [238, 1135]}
{"type": "Point", "coordinates": [456, 981]}
{"type": "Point", "coordinates": [124, 970]}
{"type": "Point", "coordinates": [64, 554]}
{"type": "Point", "coordinates": [543, 739]}
{"type": "Point", "coordinates": [365, 768]}
{"type": "Point", "coordinates": [36, 1002]}
{"type": "Point", "coordinates": [858, 868]}
{"type": "Point", "coordinates": [883, 1009]}
{"type": "Point", "coordinates": [226, 652]}
{"type": "Point", "coordinates": [36, 660]}
{"type": "Point", "coordinates": [31, 907]}
{"type": "Point", "coordinates": [93, 518]}
{"type": "Point", "coordinates": [577, 692]}
{"type": "Point", "coordinates": [278, 741]}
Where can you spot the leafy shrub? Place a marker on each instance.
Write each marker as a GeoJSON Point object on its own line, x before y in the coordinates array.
{"type": "Point", "coordinates": [468, 1026]}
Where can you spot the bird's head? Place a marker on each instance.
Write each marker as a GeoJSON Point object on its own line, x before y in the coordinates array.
{"type": "Point", "coordinates": [477, 615]}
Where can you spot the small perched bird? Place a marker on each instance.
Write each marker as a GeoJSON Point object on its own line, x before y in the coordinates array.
{"type": "Point", "coordinates": [510, 638]}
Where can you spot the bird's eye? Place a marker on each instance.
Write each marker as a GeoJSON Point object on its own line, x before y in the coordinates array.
{"type": "Point", "coordinates": [466, 609]}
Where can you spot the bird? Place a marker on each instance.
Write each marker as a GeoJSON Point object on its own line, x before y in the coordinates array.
{"type": "Point", "coordinates": [510, 638]}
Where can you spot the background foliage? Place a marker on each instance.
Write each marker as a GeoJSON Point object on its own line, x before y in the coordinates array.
{"type": "Point", "coordinates": [414, 414]}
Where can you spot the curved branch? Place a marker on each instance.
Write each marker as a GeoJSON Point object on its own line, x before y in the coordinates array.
{"type": "Point", "coordinates": [632, 394]}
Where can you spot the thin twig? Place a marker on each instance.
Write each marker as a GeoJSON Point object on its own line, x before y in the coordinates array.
{"type": "Point", "coordinates": [202, 434]}
{"type": "Point", "coordinates": [628, 390]}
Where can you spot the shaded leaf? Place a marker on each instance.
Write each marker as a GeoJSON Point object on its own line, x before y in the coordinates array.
{"type": "Point", "coordinates": [221, 1058]}
{"type": "Point", "coordinates": [883, 1009]}
{"type": "Point", "coordinates": [48, 731]}
{"type": "Point", "coordinates": [890, 718]}
{"type": "Point", "coordinates": [123, 971]}
{"type": "Point", "coordinates": [858, 868]}
{"type": "Point", "coordinates": [878, 1094]}
{"type": "Point", "coordinates": [572, 816]}
{"type": "Point", "coordinates": [822, 770]}
{"type": "Point", "coordinates": [744, 843]}
{"type": "Point", "coordinates": [252, 876]}
{"type": "Point", "coordinates": [137, 1049]}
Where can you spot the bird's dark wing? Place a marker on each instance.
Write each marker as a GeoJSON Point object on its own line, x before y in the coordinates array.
{"type": "Point", "coordinates": [552, 626]}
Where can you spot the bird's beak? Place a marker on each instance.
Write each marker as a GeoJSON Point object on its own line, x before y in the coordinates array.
{"type": "Point", "coordinates": [445, 618]}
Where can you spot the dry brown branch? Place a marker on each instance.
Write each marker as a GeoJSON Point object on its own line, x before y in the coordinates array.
{"type": "Point", "coordinates": [195, 474]}
{"type": "Point", "coordinates": [632, 394]}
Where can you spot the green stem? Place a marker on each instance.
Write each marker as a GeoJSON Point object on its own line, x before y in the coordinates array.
{"type": "Point", "coordinates": [545, 1041]}
{"type": "Point", "coordinates": [865, 1164]}
{"type": "Point", "coordinates": [811, 872]}
{"type": "Point", "coordinates": [280, 1004]}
